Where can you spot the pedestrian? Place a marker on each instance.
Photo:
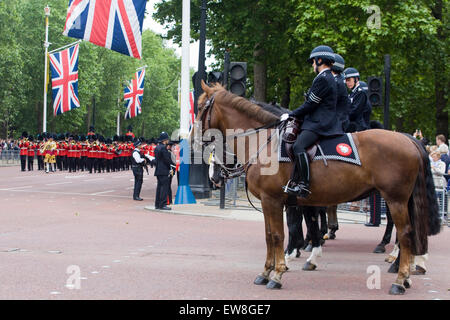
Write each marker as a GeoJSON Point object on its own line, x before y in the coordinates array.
{"type": "Point", "coordinates": [163, 161]}
{"type": "Point", "coordinates": [137, 164]}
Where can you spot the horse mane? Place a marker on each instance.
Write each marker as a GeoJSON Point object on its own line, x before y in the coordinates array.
{"type": "Point", "coordinates": [261, 112]}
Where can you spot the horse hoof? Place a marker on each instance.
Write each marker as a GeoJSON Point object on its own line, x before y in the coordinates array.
{"type": "Point", "coordinates": [273, 285]}
{"type": "Point", "coordinates": [260, 280]}
{"type": "Point", "coordinates": [393, 268]}
{"type": "Point", "coordinates": [407, 283]}
{"type": "Point", "coordinates": [326, 237]}
{"type": "Point", "coordinates": [397, 289]}
{"type": "Point", "coordinates": [322, 242]}
{"type": "Point", "coordinates": [419, 271]}
{"type": "Point", "coordinates": [308, 266]}
{"type": "Point", "coordinates": [298, 253]}
{"type": "Point", "coordinates": [390, 259]}
{"type": "Point", "coordinates": [379, 249]}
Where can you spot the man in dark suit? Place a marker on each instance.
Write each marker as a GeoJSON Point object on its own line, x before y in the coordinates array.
{"type": "Point", "coordinates": [319, 118]}
{"type": "Point", "coordinates": [163, 161]}
{"type": "Point", "coordinates": [360, 108]}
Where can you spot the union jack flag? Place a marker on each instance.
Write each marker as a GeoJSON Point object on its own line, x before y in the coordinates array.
{"type": "Point", "coordinates": [133, 95]}
{"type": "Point", "coordinates": [113, 24]}
{"type": "Point", "coordinates": [64, 67]}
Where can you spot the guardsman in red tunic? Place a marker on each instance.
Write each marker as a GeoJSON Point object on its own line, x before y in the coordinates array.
{"type": "Point", "coordinates": [78, 153]}
{"type": "Point", "coordinates": [40, 156]}
{"type": "Point", "coordinates": [31, 152]}
{"type": "Point", "coordinates": [71, 153]}
{"type": "Point", "coordinates": [84, 152]}
{"type": "Point", "coordinates": [90, 152]}
{"type": "Point", "coordinates": [23, 145]}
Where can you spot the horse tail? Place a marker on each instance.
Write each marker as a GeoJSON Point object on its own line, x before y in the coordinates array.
{"type": "Point", "coordinates": [423, 206]}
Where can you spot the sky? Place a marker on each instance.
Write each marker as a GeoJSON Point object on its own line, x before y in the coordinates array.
{"type": "Point", "coordinates": [149, 23]}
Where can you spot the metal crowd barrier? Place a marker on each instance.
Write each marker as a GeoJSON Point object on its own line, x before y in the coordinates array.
{"type": "Point", "coordinates": [363, 206]}
{"type": "Point", "coordinates": [9, 157]}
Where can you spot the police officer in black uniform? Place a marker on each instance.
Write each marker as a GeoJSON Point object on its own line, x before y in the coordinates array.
{"type": "Point", "coordinates": [360, 106]}
{"type": "Point", "coordinates": [137, 165]}
{"type": "Point", "coordinates": [319, 118]}
{"type": "Point", "coordinates": [163, 161]}
{"type": "Point", "coordinates": [343, 101]}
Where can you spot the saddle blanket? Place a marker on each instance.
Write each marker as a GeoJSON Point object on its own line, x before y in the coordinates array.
{"type": "Point", "coordinates": [341, 148]}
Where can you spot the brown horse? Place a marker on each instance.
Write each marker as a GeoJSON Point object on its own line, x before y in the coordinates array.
{"type": "Point", "coordinates": [393, 163]}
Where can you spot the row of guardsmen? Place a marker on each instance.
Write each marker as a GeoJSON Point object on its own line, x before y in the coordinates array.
{"type": "Point", "coordinates": [68, 152]}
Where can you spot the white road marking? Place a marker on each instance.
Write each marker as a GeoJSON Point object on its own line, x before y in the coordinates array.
{"type": "Point", "coordinates": [68, 193]}
{"type": "Point", "coordinates": [90, 180]}
{"type": "Point", "coordinates": [15, 188]}
{"type": "Point", "coordinates": [56, 183]}
{"type": "Point", "coordinates": [97, 193]}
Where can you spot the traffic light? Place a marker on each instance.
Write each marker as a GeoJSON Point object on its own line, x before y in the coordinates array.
{"type": "Point", "coordinates": [214, 77]}
{"type": "Point", "coordinates": [375, 93]}
{"type": "Point", "coordinates": [238, 77]}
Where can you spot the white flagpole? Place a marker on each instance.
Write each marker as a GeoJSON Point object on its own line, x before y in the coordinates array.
{"type": "Point", "coordinates": [185, 39]}
{"type": "Point", "coordinates": [67, 45]}
{"type": "Point", "coordinates": [46, 45]}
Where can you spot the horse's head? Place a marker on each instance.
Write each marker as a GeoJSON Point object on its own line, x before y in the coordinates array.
{"type": "Point", "coordinates": [206, 118]}
{"type": "Point", "coordinates": [215, 172]}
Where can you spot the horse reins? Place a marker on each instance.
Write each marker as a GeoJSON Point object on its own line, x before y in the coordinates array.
{"type": "Point", "coordinates": [228, 173]}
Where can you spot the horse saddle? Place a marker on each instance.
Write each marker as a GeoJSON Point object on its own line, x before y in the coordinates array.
{"type": "Point", "coordinates": [341, 148]}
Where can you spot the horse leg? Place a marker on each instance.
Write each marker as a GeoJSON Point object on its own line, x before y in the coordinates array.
{"type": "Point", "coordinates": [400, 216]}
{"type": "Point", "coordinates": [294, 223]}
{"type": "Point", "coordinates": [273, 210]}
{"type": "Point", "coordinates": [323, 223]}
{"type": "Point", "coordinates": [311, 218]}
{"type": "Point", "coordinates": [333, 225]}
{"type": "Point", "coordinates": [263, 278]}
{"type": "Point", "coordinates": [380, 248]}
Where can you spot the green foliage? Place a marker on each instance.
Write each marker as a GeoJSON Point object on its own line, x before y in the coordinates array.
{"type": "Point", "coordinates": [102, 75]}
{"type": "Point", "coordinates": [289, 30]}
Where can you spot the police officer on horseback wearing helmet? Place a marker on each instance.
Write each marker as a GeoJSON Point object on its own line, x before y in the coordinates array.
{"type": "Point", "coordinates": [343, 101]}
{"type": "Point", "coordinates": [360, 108]}
{"type": "Point", "coordinates": [319, 118]}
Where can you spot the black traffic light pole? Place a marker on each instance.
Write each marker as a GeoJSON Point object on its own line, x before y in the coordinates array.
{"type": "Point", "coordinates": [387, 90]}
{"type": "Point", "coordinates": [225, 84]}
{"type": "Point", "coordinates": [198, 173]}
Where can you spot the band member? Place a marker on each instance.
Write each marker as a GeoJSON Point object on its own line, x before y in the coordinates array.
{"type": "Point", "coordinates": [23, 145]}
{"type": "Point", "coordinates": [163, 162]}
{"type": "Point", "coordinates": [137, 163]}
{"type": "Point", "coordinates": [49, 149]}
{"type": "Point", "coordinates": [31, 152]}
{"type": "Point", "coordinates": [84, 151]}
{"type": "Point", "coordinates": [319, 118]}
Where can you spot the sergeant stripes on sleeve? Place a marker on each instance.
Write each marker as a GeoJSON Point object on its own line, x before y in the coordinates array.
{"type": "Point", "coordinates": [314, 98]}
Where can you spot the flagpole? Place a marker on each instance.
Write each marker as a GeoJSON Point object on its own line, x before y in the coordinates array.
{"type": "Point", "coordinates": [184, 193]}
{"type": "Point", "coordinates": [67, 45]}
{"type": "Point", "coordinates": [46, 45]}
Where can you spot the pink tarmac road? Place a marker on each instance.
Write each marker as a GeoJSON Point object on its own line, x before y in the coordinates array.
{"type": "Point", "coordinates": [81, 236]}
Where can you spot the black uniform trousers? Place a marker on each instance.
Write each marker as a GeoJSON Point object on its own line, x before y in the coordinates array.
{"type": "Point", "coordinates": [162, 191]}
{"type": "Point", "coordinates": [138, 179]}
{"type": "Point", "coordinates": [375, 208]}
{"type": "Point", "coordinates": [23, 162]}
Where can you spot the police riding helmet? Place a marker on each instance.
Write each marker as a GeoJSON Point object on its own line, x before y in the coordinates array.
{"type": "Point", "coordinates": [322, 52]}
{"type": "Point", "coordinates": [339, 63]}
{"type": "Point", "coordinates": [364, 86]}
{"type": "Point", "coordinates": [163, 136]}
{"type": "Point", "coordinates": [137, 143]}
{"type": "Point", "coordinates": [351, 73]}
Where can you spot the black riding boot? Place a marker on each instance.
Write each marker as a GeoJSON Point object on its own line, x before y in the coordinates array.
{"type": "Point", "coordinates": [294, 186]}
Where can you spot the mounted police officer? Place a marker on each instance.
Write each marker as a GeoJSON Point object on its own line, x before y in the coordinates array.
{"type": "Point", "coordinates": [343, 101]}
{"type": "Point", "coordinates": [319, 118]}
{"type": "Point", "coordinates": [163, 161]}
{"type": "Point", "coordinates": [137, 165]}
{"type": "Point", "coordinates": [360, 108]}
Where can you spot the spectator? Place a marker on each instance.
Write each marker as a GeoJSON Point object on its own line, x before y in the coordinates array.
{"type": "Point", "coordinates": [445, 156]}
{"type": "Point", "coordinates": [441, 143]}
{"type": "Point", "coordinates": [438, 170]}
